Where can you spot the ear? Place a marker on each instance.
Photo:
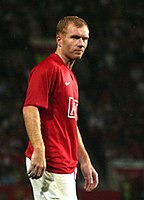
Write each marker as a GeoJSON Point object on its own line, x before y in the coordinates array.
{"type": "Point", "coordinates": [59, 40]}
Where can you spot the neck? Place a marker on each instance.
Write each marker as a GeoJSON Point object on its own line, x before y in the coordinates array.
{"type": "Point", "coordinates": [69, 63]}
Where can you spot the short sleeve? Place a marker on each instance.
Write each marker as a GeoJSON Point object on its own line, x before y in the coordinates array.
{"type": "Point", "coordinates": [39, 85]}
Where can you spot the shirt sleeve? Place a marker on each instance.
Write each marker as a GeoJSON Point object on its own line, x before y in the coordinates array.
{"type": "Point", "coordinates": [40, 84]}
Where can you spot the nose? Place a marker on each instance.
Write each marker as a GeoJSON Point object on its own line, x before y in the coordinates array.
{"type": "Point", "coordinates": [81, 42]}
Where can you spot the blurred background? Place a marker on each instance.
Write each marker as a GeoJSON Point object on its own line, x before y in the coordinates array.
{"type": "Point", "coordinates": [111, 84]}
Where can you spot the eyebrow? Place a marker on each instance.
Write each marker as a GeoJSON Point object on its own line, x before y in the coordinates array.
{"type": "Point", "coordinates": [79, 36]}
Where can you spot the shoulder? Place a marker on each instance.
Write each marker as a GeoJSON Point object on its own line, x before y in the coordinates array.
{"type": "Point", "coordinates": [50, 64]}
{"type": "Point", "coordinates": [49, 69]}
{"type": "Point", "coordinates": [47, 65]}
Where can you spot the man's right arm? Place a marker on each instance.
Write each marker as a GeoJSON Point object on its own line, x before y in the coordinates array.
{"type": "Point", "coordinates": [33, 127]}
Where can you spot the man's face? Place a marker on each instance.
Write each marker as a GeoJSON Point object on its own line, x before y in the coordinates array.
{"type": "Point", "coordinates": [74, 42]}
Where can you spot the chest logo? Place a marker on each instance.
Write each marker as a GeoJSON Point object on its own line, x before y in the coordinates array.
{"type": "Point", "coordinates": [72, 108]}
{"type": "Point", "coordinates": [67, 83]}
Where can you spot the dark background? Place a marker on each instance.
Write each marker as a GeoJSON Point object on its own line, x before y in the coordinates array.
{"type": "Point", "coordinates": [111, 84]}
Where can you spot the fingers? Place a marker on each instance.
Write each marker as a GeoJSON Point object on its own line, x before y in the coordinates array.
{"type": "Point", "coordinates": [91, 182]}
{"type": "Point", "coordinates": [35, 172]}
{"type": "Point", "coordinates": [89, 186]}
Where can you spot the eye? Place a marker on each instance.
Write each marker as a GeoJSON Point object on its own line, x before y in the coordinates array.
{"type": "Point", "coordinates": [85, 39]}
{"type": "Point", "coordinates": [76, 37]}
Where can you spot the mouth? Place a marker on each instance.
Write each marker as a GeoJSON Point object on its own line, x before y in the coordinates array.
{"type": "Point", "coordinates": [79, 51]}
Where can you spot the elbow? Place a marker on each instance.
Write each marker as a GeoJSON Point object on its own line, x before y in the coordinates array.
{"type": "Point", "coordinates": [24, 111]}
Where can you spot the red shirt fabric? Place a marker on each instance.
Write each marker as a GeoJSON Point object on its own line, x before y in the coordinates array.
{"type": "Point", "coordinates": [52, 87]}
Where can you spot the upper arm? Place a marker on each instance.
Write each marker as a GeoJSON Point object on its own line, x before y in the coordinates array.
{"type": "Point", "coordinates": [40, 86]}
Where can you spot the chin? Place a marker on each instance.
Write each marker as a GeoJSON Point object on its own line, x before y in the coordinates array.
{"type": "Point", "coordinates": [78, 57]}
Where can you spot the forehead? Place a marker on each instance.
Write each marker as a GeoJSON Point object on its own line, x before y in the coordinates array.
{"type": "Point", "coordinates": [80, 31]}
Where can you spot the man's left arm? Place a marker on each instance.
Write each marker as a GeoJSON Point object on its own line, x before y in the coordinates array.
{"type": "Point", "coordinates": [89, 173]}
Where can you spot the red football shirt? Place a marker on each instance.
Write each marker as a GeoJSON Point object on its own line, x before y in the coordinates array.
{"type": "Point", "coordinates": [52, 87]}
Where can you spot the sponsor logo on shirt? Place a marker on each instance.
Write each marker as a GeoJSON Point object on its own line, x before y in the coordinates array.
{"type": "Point", "coordinates": [72, 108]}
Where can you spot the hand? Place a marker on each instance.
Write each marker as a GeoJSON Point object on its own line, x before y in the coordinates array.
{"type": "Point", "coordinates": [37, 166]}
{"type": "Point", "coordinates": [90, 176]}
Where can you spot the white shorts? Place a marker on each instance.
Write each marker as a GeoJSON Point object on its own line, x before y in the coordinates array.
{"type": "Point", "coordinates": [52, 186]}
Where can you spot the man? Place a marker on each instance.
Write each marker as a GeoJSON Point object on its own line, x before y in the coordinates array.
{"type": "Point", "coordinates": [50, 115]}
